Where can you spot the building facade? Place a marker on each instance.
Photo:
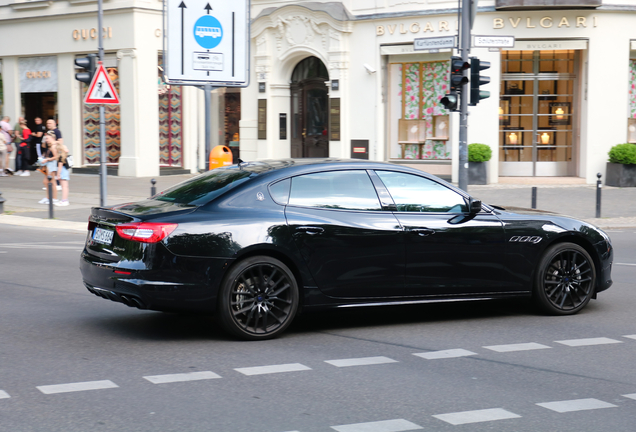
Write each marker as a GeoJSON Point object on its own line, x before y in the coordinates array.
{"type": "Point", "coordinates": [337, 79]}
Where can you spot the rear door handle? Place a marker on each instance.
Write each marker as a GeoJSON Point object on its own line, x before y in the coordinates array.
{"type": "Point", "coordinates": [311, 230]}
{"type": "Point", "coordinates": [422, 231]}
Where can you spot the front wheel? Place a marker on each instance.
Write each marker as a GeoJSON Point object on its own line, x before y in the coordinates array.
{"type": "Point", "coordinates": [565, 279]}
{"type": "Point", "coordinates": [258, 298]}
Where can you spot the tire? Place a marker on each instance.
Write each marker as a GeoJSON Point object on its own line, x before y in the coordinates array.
{"type": "Point", "coordinates": [565, 280]}
{"type": "Point", "coordinates": [258, 299]}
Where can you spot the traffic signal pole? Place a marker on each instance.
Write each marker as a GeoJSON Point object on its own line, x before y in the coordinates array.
{"type": "Point", "coordinates": [464, 48]}
{"type": "Point", "coordinates": [102, 116]}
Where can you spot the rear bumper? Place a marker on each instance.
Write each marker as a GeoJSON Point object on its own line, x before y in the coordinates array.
{"type": "Point", "coordinates": [187, 285]}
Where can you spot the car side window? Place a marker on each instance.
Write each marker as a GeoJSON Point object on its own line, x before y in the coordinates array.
{"type": "Point", "coordinates": [413, 193]}
{"type": "Point", "coordinates": [342, 190]}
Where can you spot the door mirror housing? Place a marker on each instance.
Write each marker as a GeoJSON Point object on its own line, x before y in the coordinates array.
{"type": "Point", "coordinates": [474, 206]}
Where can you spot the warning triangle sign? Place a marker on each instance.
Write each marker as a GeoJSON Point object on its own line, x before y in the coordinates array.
{"type": "Point", "coordinates": [101, 90]}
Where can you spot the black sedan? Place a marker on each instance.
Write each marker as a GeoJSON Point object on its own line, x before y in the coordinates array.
{"type": "Point", "coordinates": [255, 243]}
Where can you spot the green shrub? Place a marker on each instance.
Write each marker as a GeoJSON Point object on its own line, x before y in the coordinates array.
{"type": "Point", "coordinates": [623, 154]}
{"type": "Point", "coordinates": [479, 152]}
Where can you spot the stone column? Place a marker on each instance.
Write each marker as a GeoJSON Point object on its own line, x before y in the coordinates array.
{"type": "Point", "coordinates": [69, 106]}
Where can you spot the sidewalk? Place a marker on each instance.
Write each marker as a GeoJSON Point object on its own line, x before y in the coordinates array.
{"type": "Point", "coordinates": [568, 196]}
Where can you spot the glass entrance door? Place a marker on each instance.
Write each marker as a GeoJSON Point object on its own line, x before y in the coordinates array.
{"type": "Point", "coordinates": [536, 117]}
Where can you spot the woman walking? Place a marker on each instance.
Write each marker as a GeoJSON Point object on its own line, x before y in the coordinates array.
{"type": "Point", "coordinates": [62, 172]}
{"type": "Point", "coordinates": [49, 168]}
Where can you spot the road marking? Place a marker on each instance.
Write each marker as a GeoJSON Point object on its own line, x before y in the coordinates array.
{"type": "Point", "coordinates": [261, 370]}
{"type": "Point", "coordinates": [516, 347]}
{"type": "Point", "coordinates": [625, 264]}
{"type": "Point", "coordinates": [80, 386]}
{"type": "Point", "coordinates": [478, 416]}
{"type": "Point", "coordinates": [41, 246]}
{"type": "Point", "coordinates": [587, 342]}
{"type": "Point", "coordinates": [379, 426]}
{"type": "Point", "coordinates": [181, 377]}
{"type": "Point", "coordinates": [631, 396]}
{"type": "Point", "coordinates": [576, 405]}
{"type": "Point", "coordinates": [363, 361]}
{"type": "Point", "coordinates": [4, 395]}
{"type": "Point", "coordinates": [451, 353]}
{"type": "Point", "coordinates": [630, 336]}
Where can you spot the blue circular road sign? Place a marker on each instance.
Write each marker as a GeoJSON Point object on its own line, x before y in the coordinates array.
{"type": "Point", "coordinates": [208, 31]}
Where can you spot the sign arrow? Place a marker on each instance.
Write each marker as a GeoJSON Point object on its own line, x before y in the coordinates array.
{"type": "Point", "coordinates": [182, 6]}
{"type": "Point", "coordinates": [208, 8]}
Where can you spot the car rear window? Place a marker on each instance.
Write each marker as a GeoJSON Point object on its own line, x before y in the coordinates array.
{"type": "Point", "coordinates": [202, 189]}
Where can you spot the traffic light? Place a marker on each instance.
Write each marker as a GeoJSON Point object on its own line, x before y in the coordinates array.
{"type": "Point", "coordinates": [477, 80]}
{"type": "Point", "coordinates": [457, 78]}
{"type": "Point", "coordinates": [89, 64]}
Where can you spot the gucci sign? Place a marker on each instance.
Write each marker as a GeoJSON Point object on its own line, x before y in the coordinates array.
{"type": "Point", "coordinates": [107, 32]}
{"type": "Point", "coordinates": [38, 74]}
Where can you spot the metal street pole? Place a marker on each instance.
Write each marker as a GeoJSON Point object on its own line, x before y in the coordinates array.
{"type": "Point", "coordinates": [207, 88]}
{"type": "Point", "coordinates": [102, 117]}
{"type": "Point", "coordinates": [464, 48]}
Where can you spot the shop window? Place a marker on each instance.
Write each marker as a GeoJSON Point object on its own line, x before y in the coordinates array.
{"type": "Point", "coordinates": [631, 124]}
{"type": "Point", "coordinates": [91, 126]}
{"type": "Point", "coordinates": [170, 116]}
{"type": "Point", "coordinates": [419, 123]}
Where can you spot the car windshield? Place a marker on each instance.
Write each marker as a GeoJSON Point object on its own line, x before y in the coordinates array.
{"type": "Point", "coordinates": [204, 188]}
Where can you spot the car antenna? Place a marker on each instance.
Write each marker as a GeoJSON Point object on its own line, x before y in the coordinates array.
{"type": "Point", "coordinates": [241, 162]}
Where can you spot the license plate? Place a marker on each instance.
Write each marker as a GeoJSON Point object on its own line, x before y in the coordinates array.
{"type": "Point", "coordinates": [103, 236]}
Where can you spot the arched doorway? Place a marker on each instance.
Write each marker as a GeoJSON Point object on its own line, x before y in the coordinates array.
{"type": "Point", "coordinates": [309, 109]}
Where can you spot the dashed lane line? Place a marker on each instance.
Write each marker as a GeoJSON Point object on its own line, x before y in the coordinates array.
{"type": "Point", "coordinates": [576, 405]}
{"type": "Point", "coordinates": [4, 395]}
{"type": "Point", "coordinates": [79, 386]}
{"type": "Point", "coordinates": [182, 377]}
{"type": "Point", "coordinates": [363, 361]}
{"type": "Point", "coordinates": [478, 416]}
{"type": "Point", "coordinates": [588, 341]}
{"type": "Point", "coordinates": [398, 425]}
{"type": "Point", "coordinates": [517, 347]}
{"type": "Point", "coordinates": [445, 354]}
{"type": "Point", "coordinates": [631, 396]}
{"type": "Point", "coordinates": [630, 336]}
{"type": "Point", "coordinates": [625, 264]}
{"type": "Point", "coordinates": [262, 370]}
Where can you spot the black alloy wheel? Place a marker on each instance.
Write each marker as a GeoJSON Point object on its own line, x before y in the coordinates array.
{"type": "Point", "coordinates": [259, 298]}
{"type": "Point", "coordinates": [565, 280]}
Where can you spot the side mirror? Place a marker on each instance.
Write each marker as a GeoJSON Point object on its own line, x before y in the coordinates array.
{"type": "Point", "coordinates": [474, 206]}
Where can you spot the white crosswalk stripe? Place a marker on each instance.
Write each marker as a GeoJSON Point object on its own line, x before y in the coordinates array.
{"type": "Point", "coordinates": [589, 341]}
{"type": "Point", "coordinates": [363, 361]}
{"type": "Point", "coordinates": [576, 405]}
{"type": "Point", "coordinates": [262, 370]}
{"type": "Point", "coordinates": [517, 347]}
{"type": "Point", "coordinates": [445, 354]}
{"type": "Point", "coordinates": [397, 425]}
{"type": "Point", "coordinates": [181, 377]}
{"type": "Point", "coordinates": [79, 386]}
{"type": "Point", "coordinates": [4, 395]}
{"type": "Point", "coordinates": [477, 416]}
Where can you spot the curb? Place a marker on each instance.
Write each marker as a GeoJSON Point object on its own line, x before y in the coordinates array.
{"type": "Point", "coordinates": [43, 223]}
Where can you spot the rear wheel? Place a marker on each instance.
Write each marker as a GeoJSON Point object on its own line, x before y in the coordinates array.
{"type": "Point", "coordinates": [565, 279]}
{"type": "Point", "coordinates": [258, 299]}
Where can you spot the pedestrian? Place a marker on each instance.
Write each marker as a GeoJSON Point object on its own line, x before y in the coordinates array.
{"type": "Point", "coordinates": [5, 129]}
{"type": "Point", "coordinates": [51, 125]}
{"type": "Point", "coordinates": [3, 152]}
{"type": "Point", "coordinates": [38, 132]}
{"type": "Point", "coordinates": [63, 174]}
{"type": "Point", "coordinates": [23, 155]}
{"type": "Point", "coordinates": [17, 142]}
{"type": "Point", "coordinates": [49, 161]}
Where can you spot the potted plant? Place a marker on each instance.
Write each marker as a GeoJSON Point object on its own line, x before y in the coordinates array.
{"type": "Point", "coordinates": [621, 168]}
{"type": "Point", "coordinates": [478, 156]}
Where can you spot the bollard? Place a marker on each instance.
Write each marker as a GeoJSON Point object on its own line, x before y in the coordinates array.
{"type": "Point", "coordinates": [50, 190]}
{"type": "Point", "coordinates": [534, 197]}
{"type": "Point", "coordinates": [2, 200]}
{"type": "Point", "coordinates": [598, 196]}
{"type": "Point", "coordinates": [153, 188]}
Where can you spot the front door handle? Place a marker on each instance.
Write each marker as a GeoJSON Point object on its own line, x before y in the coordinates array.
{"type": "Point", "coordinates": [311, 230]}
{"type": "Point", "coordinates": [422, 231]}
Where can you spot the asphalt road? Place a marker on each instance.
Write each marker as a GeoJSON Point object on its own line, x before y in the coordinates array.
{"type": "Point", "coordinates": [70, 361]}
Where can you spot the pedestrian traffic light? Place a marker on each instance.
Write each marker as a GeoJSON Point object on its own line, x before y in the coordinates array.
{"type": "Point", "coordinates": [457, 78]}
{"type": "Point", "coordinates": [477, 80]}
{"type": "Point", "coordinates": [89, 64]}
{"type": "Point", "coordinates": [450, 101]}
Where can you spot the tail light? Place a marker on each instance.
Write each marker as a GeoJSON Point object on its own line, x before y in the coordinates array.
{"type": "Point", "coordinates": [146, 232]}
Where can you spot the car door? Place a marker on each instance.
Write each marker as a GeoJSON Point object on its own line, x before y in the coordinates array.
{"type": "Point", "coordinates": [448, 251]}
{"type": "Point", "coordinates": [351, 245]}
